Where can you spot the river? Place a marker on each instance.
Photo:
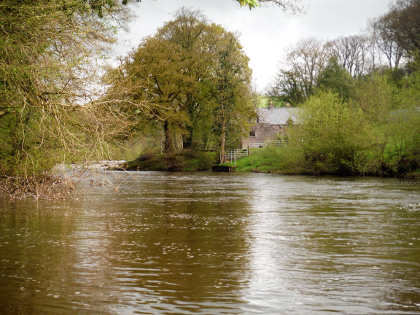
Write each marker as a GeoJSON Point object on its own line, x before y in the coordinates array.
{"type": "Point", "coordinates": [204, 243]}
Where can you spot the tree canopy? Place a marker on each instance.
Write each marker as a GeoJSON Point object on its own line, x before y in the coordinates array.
{"type": "Point", "coordinates": [402, 25]}
{"type": "Point", "coordinates": [392, 43]}
{"type": "Point", "coordinates": [45, 51]}
{"type": "Point", "coordinates": [193, 77]}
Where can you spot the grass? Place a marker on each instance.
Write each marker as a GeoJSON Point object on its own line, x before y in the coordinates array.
{"type": "Point", "coordinates": [284, 160]}
{"type": "Point", "coordinates": [264, 101]}
{"type": "Point", "coordinates": [291, 160]}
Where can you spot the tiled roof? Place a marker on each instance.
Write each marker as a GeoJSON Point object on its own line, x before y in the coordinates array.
{"type": "Point", "coordinates": [277, 116]}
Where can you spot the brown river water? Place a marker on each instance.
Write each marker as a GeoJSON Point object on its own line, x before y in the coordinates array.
{"type": "Point", "coordinates": [203, 243]}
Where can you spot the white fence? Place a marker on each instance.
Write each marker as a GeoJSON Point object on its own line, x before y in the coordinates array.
{"type": "Point", "coordinates": [276, 143]}
{"type": "Point", "coordinates": [234, 155]}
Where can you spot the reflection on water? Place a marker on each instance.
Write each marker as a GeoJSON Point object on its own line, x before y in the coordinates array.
{"type": "Point", "coordinates": [215, 244]}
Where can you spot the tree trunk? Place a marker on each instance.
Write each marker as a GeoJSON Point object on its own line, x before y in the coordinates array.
{"type": "Point", "coordinates": [173, 141]}
{"type": "Point", "coordinates": [223, 142]}
{"type": "Point", "coordinates": [188, 138]}
{"type": "Point", "coordinates": [169, 146]}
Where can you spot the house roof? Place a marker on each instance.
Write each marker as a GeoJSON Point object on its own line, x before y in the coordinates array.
{"type": "Point", "coordinates": [277, 116]}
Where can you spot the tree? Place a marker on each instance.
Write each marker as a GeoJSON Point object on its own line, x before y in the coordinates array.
{"type": "Point", "coordinates": [333, 134]}
{"type": "Point", "coordinates": [232, 90]}
{"type": "Point", "coordinates": [402, 26]}
{"type": "Point", "coordinates": [45, 53]}
{"type": "Point", "coordinates": [45, 48]}
{"type": "Point", "coordinates": [178, 77]}
{"type": "Point", "coordinates": [353, 53]}
{"type": "Point", "coordinates": [304, 64]}
{"type": "Point", "coordinates": [287, 87]}
{"type": "Point", "coordinates": [336, 79]}
{"type": "Point", "coordinates": [374, 95]}
{"type": "Point", "coordinates": [385, 41]}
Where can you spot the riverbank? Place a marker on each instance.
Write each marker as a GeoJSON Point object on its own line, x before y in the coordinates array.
{"type": "Point", "coordinates": [58, 183]}
{"type": "Point", "coordinates": [63, 179]}
{"type": "Point", "coordinates": [292, 161]}
{"type": "Point", "coordinates": [286, 160]}
{"type": "Point", "coordinates": [413, 175]}
{"type": "Point", "coordinates": [185, 161]}
{"type": "Point", "coordinates": [45, 186]}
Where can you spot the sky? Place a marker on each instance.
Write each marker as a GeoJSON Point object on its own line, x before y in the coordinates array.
{"type": "Point", "coordinates": [265, 33]}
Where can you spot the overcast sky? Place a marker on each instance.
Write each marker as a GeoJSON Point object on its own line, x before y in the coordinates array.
{"type": "Point", "coordinates": [265, 32]}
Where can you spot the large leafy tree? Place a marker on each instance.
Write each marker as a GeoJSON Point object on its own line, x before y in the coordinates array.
{"type": "Point", "coordinates": [337, 79]}
{"type": "Point", "coordinates": [401, 26]}
{"type": "Point", "coordinates": [298, 81]}
{"type": "Point", "coordinates": [191, 76]}
{"type": "Point", "coordinates": [406, 24]}
{"type": "Point", "coordinates": [161, 78]}
{"type": "Point", "coordinates": [232, 91]}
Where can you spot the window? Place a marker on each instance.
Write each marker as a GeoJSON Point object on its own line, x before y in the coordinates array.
{"type": "Point", "coordinates": [252, 133]}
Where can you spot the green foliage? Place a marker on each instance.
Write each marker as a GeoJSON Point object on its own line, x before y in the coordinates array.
{"type": "Point", "coordinates": [402, 25]}
{"type": "Point", "coordinates": [375, 132]}
{"type": "Point", "coordinates": [285, 160]}
{"type": "Point", "coordinates": [267, 101]}
{"type": "Point", "coordinates": [44, 52]}
{"type": "Point", "coordinates": [249, 3]}
{"type": "Point", "coordinates": [289, 87]}
{"type": "Point", "coordinates": [285, 4]}
{"type": "Point", "coordinates": [199, 161]}
{"type": "Point", "coordinates": [193, 78]}
{"type": "Point", "coordinates": [336, 79]}
{"type": "Point", "coordinates": [362, 118]}
{"type": "Point", "coordinates": [375, 96]}
{"type": "Point", "coordinates": [402, 147]}
{"type": "Point", "coordinates": [331, 133]}
{"type": "Point", "coordinates": [409, 93]}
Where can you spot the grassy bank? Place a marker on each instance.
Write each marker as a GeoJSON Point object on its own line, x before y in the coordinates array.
{"type": "Point", "coordinates": [185, 161]}
{"type": "Point", "coordinates": [292, 161]}
{"type": "Point", "coordinates": [375, 133]}
{"type": "Point", "coordinates": [272, 160]}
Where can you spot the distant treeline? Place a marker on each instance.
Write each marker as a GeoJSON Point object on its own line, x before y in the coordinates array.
{"type": "Point", "coordinates": [391, 45]}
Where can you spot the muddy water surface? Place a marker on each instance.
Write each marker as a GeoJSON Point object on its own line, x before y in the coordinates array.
{"type": "Point", "coordinates": [159, 243]}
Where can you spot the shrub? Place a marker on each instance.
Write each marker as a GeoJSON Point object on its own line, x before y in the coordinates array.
{"type": "Point", "coordinates": [332, 135]}
{"type": "Point", "coordinates": [183, 161]}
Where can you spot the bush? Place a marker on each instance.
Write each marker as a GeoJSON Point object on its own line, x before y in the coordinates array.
{"type": "Point", "coordinates": [333, 135]}
{"type": "Point", "coordinates": [185, 161]}
{"type": "Point", "coordinates": [199, 161]}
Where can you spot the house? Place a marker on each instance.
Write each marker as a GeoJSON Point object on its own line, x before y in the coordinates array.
{"type": "Point", "coordinates": [271, 122]}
